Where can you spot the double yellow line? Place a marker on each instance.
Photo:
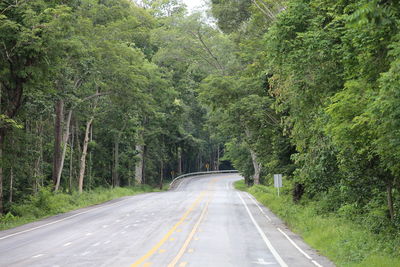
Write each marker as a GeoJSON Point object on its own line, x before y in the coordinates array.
{"type": "Point", "coordinates": [173, 229]}
{"type": "Point", "coordinates": [170, 232]}
{"type": "Point", "coordinates": [190, 237]}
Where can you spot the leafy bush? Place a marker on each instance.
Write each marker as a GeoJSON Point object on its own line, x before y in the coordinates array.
{"type": "Point", "coordinates": [348, 211]}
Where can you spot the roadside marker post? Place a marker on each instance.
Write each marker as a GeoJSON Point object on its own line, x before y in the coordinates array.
{"type": "Point", "coordinates": [278, 181]}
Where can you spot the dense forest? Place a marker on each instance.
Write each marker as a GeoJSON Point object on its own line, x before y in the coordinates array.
{"type": "Point", "coordinates": [317, 100]}
{"type": "Point", "coordinates": [93, 94]}
{"type": "Point", "coordinates": [110, 93]}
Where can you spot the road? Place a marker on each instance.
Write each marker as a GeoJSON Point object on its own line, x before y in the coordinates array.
{"type": "Point", "coordinates": [204, 222]}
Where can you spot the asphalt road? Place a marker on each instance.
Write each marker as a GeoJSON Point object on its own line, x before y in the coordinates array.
{"type": "Point", "coordinates": [204, 222]}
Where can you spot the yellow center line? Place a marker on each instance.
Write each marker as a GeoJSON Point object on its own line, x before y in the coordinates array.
{"type": "Point", "coordinates": [170, 232]}
{"type": "Point", "coordinates": [190, 237]}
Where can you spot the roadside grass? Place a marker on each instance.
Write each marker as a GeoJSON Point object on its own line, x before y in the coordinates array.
{"type": "Point", "coordinates": [343, 241]}
{"type": "Point", "coordinates": [47, 203]}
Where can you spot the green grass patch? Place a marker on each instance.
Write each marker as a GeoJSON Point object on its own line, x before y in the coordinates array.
{"type": "Point", "coordinates": [46, 203]}
{"type": "Point", "coordinates": [343, 241]}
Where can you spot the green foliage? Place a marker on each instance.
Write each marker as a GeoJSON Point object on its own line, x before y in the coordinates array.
{"type": "Point", "coordinates": [317, 100]}
{"type": "Point", "coordinates": [230, 14]}
{"type": "Point", "coordinates": [383, 114]}
{"type": "Point", "coordinates": [111, 63]}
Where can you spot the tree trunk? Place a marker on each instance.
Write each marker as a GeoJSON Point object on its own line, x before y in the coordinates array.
{"type": "Point", "coordinates": [83, 157]}
{"type": "Point", "coordinates": [179, 161]}
{"type": "Point", "coordinates": [59, 109]}
{"type": "Point", "coordinates": [198, 162]}
{"type": "Point", "coordinates": [71, 159]}
{"type": "Point", "coordinates": [139, 164]}
{"type": "Point", "coordinates": [2, 136]}
{"type": "Point", "coordinates": [254, 159]}
{"type": "Point", "coordinates": [78, 148]}
{"type": "Point", "coordinates": [11, 108]}
{"type": "Point", "coordinates": [389, 189]}
{"type": "Point", "coordinates": [115, 175]}
{"type": "Point", "coordinates": [10, 196]}
{"type": "Point", "coordinates": [257, 167]}
{"type": "Point", "coordinates": [36, 174]}
{"type": "Point", "coordinates": [211, 161]}
{"type": "Point", "coordinates": [218, 158]}
{"type": "Point", "coordinates": [130, 168]}
{"type": "Point", "coordinates": [10, 199]}
{"type": "Point", "coordinates": [65, 143]}
{"type": "Point", "coordinates": [161, 174]}
{"type": "Point", "coordinates": [144, 164]}
{"type": "Point", "coordinates": [37, 166]}
{"type": "Point", "coordinates": [90, 157]}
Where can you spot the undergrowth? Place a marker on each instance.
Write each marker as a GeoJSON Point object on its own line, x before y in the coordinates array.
{"type": "Point", "coordinates": [342, 240]}
{"type": "Point", "coordinates": [47, 203]}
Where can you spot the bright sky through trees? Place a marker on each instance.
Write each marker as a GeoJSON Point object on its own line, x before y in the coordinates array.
{"type": "Point", "coordinates": [193, 4]}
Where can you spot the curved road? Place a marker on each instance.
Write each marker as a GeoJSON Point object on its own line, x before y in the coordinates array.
{"type": "Point", "coordinates": [204, 222]}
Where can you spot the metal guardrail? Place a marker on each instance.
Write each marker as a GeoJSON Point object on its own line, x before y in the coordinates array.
{"type": "Point", "coordinates": [198, 174]}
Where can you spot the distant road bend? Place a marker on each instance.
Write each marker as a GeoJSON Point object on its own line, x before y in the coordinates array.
{"type": "Point", "coordinates": [202, 223]}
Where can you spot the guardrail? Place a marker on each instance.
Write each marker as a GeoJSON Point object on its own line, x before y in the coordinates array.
{"type": "Point", "coordinates": [198, 174]}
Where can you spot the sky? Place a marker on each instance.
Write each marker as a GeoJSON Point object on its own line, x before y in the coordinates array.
{"type": "Point", "coordinates": [193, 3]}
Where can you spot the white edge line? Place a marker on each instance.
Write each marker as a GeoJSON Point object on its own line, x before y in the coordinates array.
{"type": "Point", "coordinates": [294, 244]}
{"type": "Point", "coordinates": [66, 218]}
{"type": "Point", "coordinates": [266, 240]}
{"type": "Point", "coordinates": [299, 249]}
{"type": "Point", "coordinates": [252, 199]}
{"type": "Point", "coordinates": [290, 240]}
{"type": "Point", "coordinates": [316, 263]}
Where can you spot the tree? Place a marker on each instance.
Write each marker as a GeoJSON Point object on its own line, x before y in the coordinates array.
{"type": "Point", "coordinates": [22, 62]}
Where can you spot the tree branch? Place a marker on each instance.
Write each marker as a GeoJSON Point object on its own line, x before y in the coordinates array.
{"type": "Point", "coordinates": [268, 14]}
{"type": "Point", "coordinates": [207, 49]}
{"type": "Point", "coordinates": [11, 6]}
{"type": "Point", "coordinates": [97, 94]}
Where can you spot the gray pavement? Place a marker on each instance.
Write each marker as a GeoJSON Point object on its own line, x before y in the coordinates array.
{"type": "Point", "coordinates": [204, 222]}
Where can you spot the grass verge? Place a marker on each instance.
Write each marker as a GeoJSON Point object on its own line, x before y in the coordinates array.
{"type": "Point", "coordinates": [344, 242]}
{"type": "Point", "coordinates": [47, 203]}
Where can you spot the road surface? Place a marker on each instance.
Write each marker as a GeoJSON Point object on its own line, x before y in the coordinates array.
{"type": "Point", "coordinates": [204, 222]}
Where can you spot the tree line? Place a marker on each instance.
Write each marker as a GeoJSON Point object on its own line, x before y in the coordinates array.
{"type": "Point", "coordinates": [316, 100]}
{"type": "Point", "coordinates": [90, 97]}
{"type": "Point", "coordinates": [116, 93]}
